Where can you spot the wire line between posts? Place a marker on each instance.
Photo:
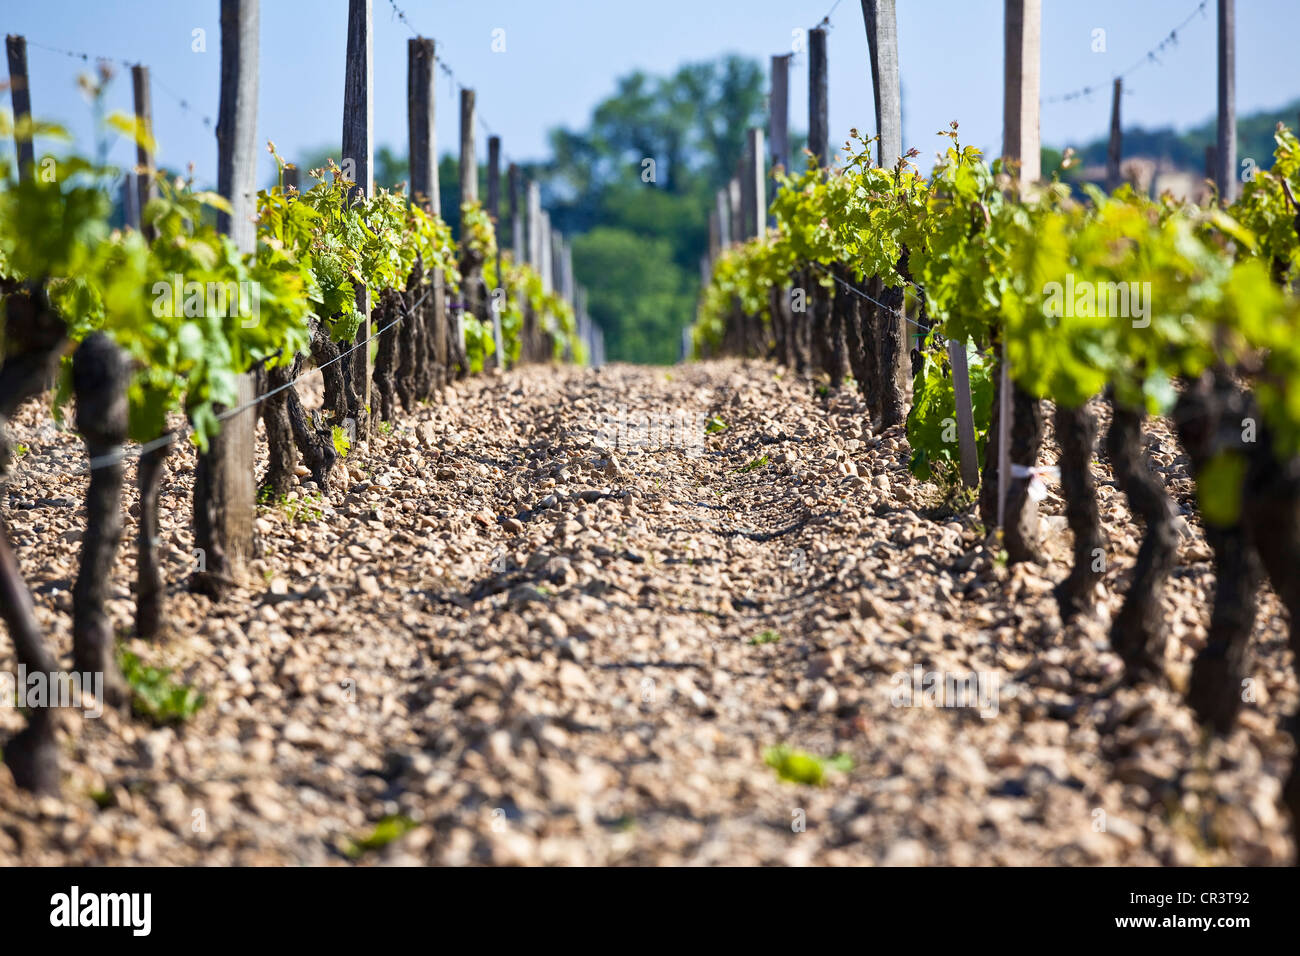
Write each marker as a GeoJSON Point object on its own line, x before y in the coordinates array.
{"type": "Point", "coordinates": [126, 64]}
{"type": "Point", "coordinates": [863, 295]}
{"type": "Point", "coordinates": [1171, 38]}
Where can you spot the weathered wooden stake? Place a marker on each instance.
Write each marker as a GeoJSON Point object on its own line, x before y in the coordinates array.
{"type": "Point", "coordinates": [735, 207]}
{"type": "Point", "coordinates": [1020, 142]}
{"type": "Point", "coordinates": [566, 274]}
{"type": "Point", "coordinates": [748, 198]}
{"type": "Point", "coordinates": [468, 158]}
{"type": "Point", "coordinates": [966, 446]}
{"type": "Point", "coordinates": [422, 139]}
{"type": "Point", "coordinates": [557, 262]}
{"type": "Point", "coordinates": [535, 225]}
{"type": "Point", "coordinates": [1226, 172]}
{"type": "Point", "coordinates": [755, 181]}
{"type": "Point", "coordinates": [224, 492]}
{"type": "Point", "coordinates": [422, 132]}
{"type": "Point", "coordinates": [516, 214]}
{"type": "Point", "coordinates": [778, 112]}
{"type": "Point", "coordinates": [130, 203]}
{"type": "Point", "coordinates": [1021, 107]}
{"type": "Point", "coordinates": [471, 270]}
{"type": "Point", "coordinates": [546, 264]}
{"type": "Point", "coordinates": [494, 178]}
{"type": "Point", "coordinates": [146, 187]}
{"type": "Point", "coordinates": [494, 210]}
{"type": "Point", "coordinates": [1114, 148]}
{"type": "Point", "coordinates": [723, 212]}
{"type": "Point", "coordinates": [818, 123]}
{"type": "Point", "coordinates": [882, 41]}
{"type": "Point", "coordinates": [358, 147]}
{"type": "Point", "coordinates": [20, 92]}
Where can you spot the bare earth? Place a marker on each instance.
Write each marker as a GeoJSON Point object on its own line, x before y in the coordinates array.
{"type": "Point", "coordinates": [534, 651]}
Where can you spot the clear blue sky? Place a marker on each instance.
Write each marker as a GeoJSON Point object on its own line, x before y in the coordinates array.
{"type": "Point", "coordinates": [562, 57]}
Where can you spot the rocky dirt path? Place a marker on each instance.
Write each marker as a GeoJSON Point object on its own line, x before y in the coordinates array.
{"type": "Point", "coordinates": [508, 641]}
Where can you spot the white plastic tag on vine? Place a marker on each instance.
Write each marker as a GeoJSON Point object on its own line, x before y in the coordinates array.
{"type": "Point", "coordinates": [1037, 490]}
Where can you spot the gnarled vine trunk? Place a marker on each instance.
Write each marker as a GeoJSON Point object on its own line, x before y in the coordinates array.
{"type": "Point", "coordinates": [326, 353]}
{"type": "Point", "coordinates": [384, 381]}
{"type": "Point", "coordinates": [1205, 416]}
{"type": "Point", "coordinates": [411, 348]}
{"type": "Point", "coordinates": [34, 335]}
{"type": "Point", "coordinates": [1021, 532]}
{"type": "Point", "coordinates": [149, 588]}
{"type": "Point", "coordinates": [819, 305]}
{"type": "Point", "coordinates": [854, 345]}
{"type": "Point", "coordinates": [798, 328]}
{"type": "Point", "coordinates": [1076, 433]}
{"type": "Point", "coordinates": [889, 333]}
{"type": "Point", "coordinates": [1136, 634]}
{"type": "Point", "coordinates": [99, 381]}
{"type": "Point", "coordinates": [838, 328]}
{"type": "Point", "coordinates": [282, 453]}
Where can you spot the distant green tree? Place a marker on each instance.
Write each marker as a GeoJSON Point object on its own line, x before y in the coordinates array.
{"type": "Point", "coordinates": [644, 171]}
{"type": "Point", "coordinates": [635, 293]}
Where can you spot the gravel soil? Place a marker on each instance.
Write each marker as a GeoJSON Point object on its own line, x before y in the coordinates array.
{"type": "Point", "coordinates": [513, 635]}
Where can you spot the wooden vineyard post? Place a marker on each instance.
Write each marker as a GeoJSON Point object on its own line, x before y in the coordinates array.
{"type": "Point", "coordinates": [1020, 426]}
{"type": "Point", "coordinates": [516, 214]}
{"type": "Point", "coordinates": [20, 92]}
{"type": "Point", "coordinates": [534, 225]}
{"type": "Point", "coordinates": [532, 321]}
{"type": "Point", "coordinates": [736, 209]}
{"type": "Point", "coordinates": [471, 270]}
{"type": "Point", "coordinates": [565, 274]}
{"type": "Point", "coordinates": [557, 273]}
{"type": "Point", "coordinates": [1226, 154]}
{"type": "Point", "coordinates": [146, 188]}
{"type": "Point", "coordinates": [818, 123]}
{"type": "Point", "coordinates": [757, 184]}
{"type": "Point", "coordinates": [494, 210]}
{"type": "Point", "coordinates": [748, 198]}
{"type": "Point", "coordinates": [468, 167]}
{"type": "Point", "coordinates": [557, 263]}
{"type": "Point", "coordinates": [358, 146]}
{"type": "Point", "coordinates": [778, 134]}
{"type": "Point", "coordinates": [422, 133]}
{"type": "Point", "coordinates": [224, 496]}
{"type": "Point", "coordinates": [734, 212]}
{"type": "Point", "coordinates": [778, 112]}
{"type": "Point", "coordinates": [130, 208]}
{"type": "Point", "coordinates": [517, 250]}
{"type": "Point", "coordinates": [755, 224]}
{"type": "Point", "coordinates": [817, 297]}
{"type": "Point", "coordinates": [567, 286]}
{"type": "Point", "coordinates": [494, 178]}
{"type": "Point", "coordinates": [891, 366]}
{"type": "Point", "coordinates": [428, 333]}
{"type": "Point", "coordinates": [882, 42]}
{"type": "Point", "coordinates": [1115, 147]}
{"type": "Point", "coordinates": [966, 447]}
{"type": "Point", "coordinates": [546, 263]}
{"type": "Point", "coordinates": [723, 210]}
{"type": "Point", "coordinates": [1021, 107]}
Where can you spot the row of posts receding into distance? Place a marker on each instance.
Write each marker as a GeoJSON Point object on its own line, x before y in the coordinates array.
{"type": "Point", "coordinates": [226, 468]}
{"type": "Point", "coordinates": [740, 210]}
